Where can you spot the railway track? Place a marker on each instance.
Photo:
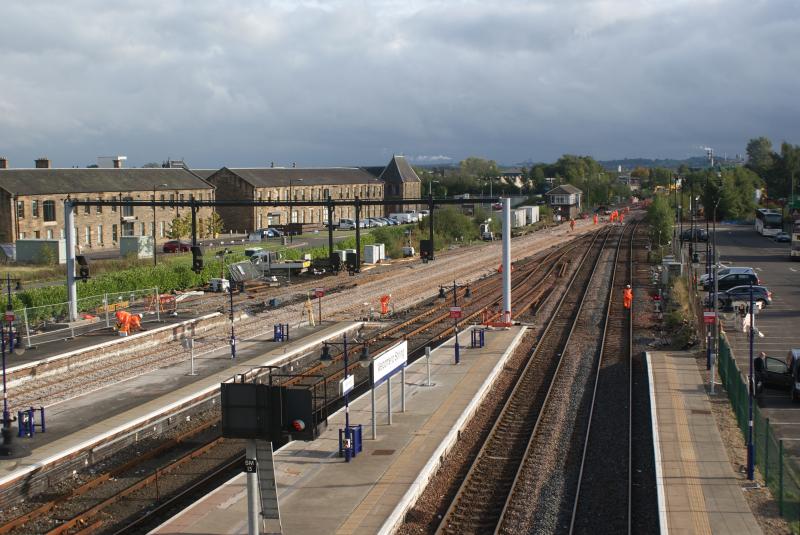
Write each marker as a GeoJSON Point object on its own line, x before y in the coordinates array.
{"type": "Point", "coordinates": [603, 497]}
{"type": "Point", "coordinates": [481, 498]}
{"type": "Point", "coordinates": [65, 514]}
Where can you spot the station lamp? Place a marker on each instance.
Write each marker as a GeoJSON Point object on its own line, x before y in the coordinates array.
{"type": "Point", "coordinates": [325, 359]}
{"type": "Point", "coordinates": [364, 359]}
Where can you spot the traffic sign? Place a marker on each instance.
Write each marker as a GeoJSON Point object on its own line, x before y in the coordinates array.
{"type": "Point", "coordinates": [250, 466]}
{"type": "Point", "coordinates": [10, 317]}
{"type": "Point", "coordinates": [709, 317]}
{"type": "Point", "coordinates": [455, 312]}
{"type": "Point", "coordinates": [319, 292]}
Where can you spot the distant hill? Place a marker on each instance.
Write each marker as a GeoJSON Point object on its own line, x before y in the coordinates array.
{"type": "Point", "coordinates": [632, 163]}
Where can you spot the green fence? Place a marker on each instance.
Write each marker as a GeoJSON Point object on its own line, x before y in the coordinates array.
{"type": "Point", "coordinates": [779, 470]}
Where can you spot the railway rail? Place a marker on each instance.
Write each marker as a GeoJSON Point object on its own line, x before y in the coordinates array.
{"type": "Point", "coordinates": [603, 497]}
{"type": "Point", "coordinates": [530, 283]}
{"type": "Point", "coordinates": [481, 498]}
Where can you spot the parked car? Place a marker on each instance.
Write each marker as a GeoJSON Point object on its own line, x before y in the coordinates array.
{"type": "Point", "coordinates": [250, 251]}
{"type": "Point", "coordinates": [696, 234]}
{"type": "Point", "coordinates": [347, 224]}
{"type": "Point", "coordinates": [731, 280]}
{"type": "Point", "coordinates": [374, 222]}
{"type": "Point", "coordinates": [741, 294]}
{"type": "Point", "coordinates": [777, 373]}
{"type": "Point", "coordinates": [724, 270]}
{"type": "Point", "coordinates": [392, 221]}
{"type": "Point", "coordinates": [176, 246]}
{"type": "Point", "coordinates": [783, 237]}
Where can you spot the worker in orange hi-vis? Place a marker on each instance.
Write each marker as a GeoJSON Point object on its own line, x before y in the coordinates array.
{"type": "Point", "coordinates": [135, 323]}
{"type": "Point", "coordinates": [627, 297]}
{"type": "Point", "coordinates": [595, 219]}
{"type": "Point", "coordinates": [571, 225]}
{"type": "Point", "coordinates": [385, 303]}
{"type": "Point", "coordinates": [123, 322]}
{"type": "Point", "coordinates": [621, 218]}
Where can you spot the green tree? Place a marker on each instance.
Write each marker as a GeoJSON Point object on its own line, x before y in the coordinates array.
{"type": "Point", "coordinates": [760, 157]}
{"type": "Point", "coordinates": [179, 227]}
{"type": "Point", "coordinates": [660, 221]}
{"type": "Point", "coordinates": [790, 167]}
{"type": "Point", "coordinates": [214, 225]}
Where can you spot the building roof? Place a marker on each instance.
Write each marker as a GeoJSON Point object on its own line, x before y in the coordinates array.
{"type": "Point", "coordinates": [565, 189]}
{"type": "Point", "coordinates": [96, 180]}
{"type": "Point", "coordinates": [269, 177]}
{"type": "Point", "coordinates": [399, 170]}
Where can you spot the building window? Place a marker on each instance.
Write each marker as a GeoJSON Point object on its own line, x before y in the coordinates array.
{"type": "Point", "coordinates": [162, 200]}
{"type": "Point", "coordinates": [21, 235]}
{"type": "Point", "coordinates": [152, 229]}
{"type": "Point", "coordinates": [141, 229]}
{"type": "Point", "coordinates": [21, 209]}
{"type": "Point", "coordinates": [49, 209]}
{"type": "Point", "coordinates": [87, 235]}
{"type": "Point", "coordinates": [114, 208]}
{"type": "Point", "coordinates": [114, 234]}
{"type": "Point", "coordinates": [182, 196]}
{"type": "Point", "coordinates": [100, 234]}
{"type": "Point", "coordinates": [127, 211]}
{"type": "Point", "coordinates": [162, 229]}
{"type": "Point", "coordinates": [36, 234]}
{"type": "Point", "coordinates": [326, 193]}
{"type": "Point", "coordinates": [34, 208]}
{"type": "Point", "coordinates": [171, 197]}
{"type": "Point", "coordinates": [87, 209]}
{"type": "Point", "coordinates": [99, 208]}
{"type": "Point", "coordinates": [49, 234]}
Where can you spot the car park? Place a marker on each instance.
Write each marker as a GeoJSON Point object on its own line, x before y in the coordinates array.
{"type": "Point", "coordinates": [783, 237]}
{"type": "Point", "coordinates": [741, 294]}
{"type": "Point", "coordinates": [176, 246]}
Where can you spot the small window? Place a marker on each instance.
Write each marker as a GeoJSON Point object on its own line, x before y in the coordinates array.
{"type": "Point", "coordinates": [34, 208]}
{"type": "Point", "coordinates": [127, 211]}
{"type": "Point", "coordinates": [182, 196]}
{"type": "Point", "coordinates": [49, 234]}
{"type": "Point", "coordinates": [162, 229]}
{"type": "Point", "coordinates": [99, 208]}
{"type": "Point", "coordinates": [100, 234]}
{"type": "Point", "coordinates": [21, 209]}
{"type": "Point", "coordinates": [163, 198]}
{"type": "Point", "coordinates": [36, 234]}
{"type": "Point", "coordinates": [114, 233]}
{"type": "Point", "coordinates": [86, 208]}
{"type": "Point", "coordinates": [142, 229]}
{"type": "Point", "coordinates": [114, 208]}
{"type": "Point", "coordinates": [49, 208]}
{"type": "Point", "coordinates": [87, 235]}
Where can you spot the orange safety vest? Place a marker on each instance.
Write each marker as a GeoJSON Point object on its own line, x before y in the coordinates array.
{"type": "Point", "coordinates": [627, 297]}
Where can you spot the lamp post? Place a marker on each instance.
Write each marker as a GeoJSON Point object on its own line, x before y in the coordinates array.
{"type": "Point", "coordinates": [715, 334]}
{"type": "Point", "coordinates": [19, 349]}
{"type": "Point", "coordinates": [750, 447]}
{"type": "Point", "coordinates": [221, 254]}
{"type": "Point", "coordinates": [155, 249]}
{"type": "Point", "coordinates": [456, 314]}
{"type": "Point", "coordinates": [430, 187]}
{"type": "Point", "coordinates": [326, 360]}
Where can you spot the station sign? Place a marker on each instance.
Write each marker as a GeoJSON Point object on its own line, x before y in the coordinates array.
{"type": "Point", "coordinates": [709, 317]}
{"type": "Point", "coordinates": [346, 385]}
{"type": "Point", "coordinates": [389, 362]}
{"type": "Point", "coordinates": [319, 292]}
{"type": "Point", "coordinates": [455, 312]}
{"type": "Point", "coordinates": [250, 466]}
{"type": "Point", "coordinates": [9, 316]}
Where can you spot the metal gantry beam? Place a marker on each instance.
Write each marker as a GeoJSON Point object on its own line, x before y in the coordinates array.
{"type": "Point", "coordinates": [329, 203]}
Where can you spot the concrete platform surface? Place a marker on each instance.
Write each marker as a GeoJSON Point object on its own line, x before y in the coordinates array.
{"type": "Point", "coordinates": [321, 494]}
{"type": "Point", "coordinates": [698, 491]}
{"type": "Point", "coordinates": [84, 421]}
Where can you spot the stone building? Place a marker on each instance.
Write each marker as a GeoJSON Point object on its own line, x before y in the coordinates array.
{"type": "Point", "coordinates": [400, 182]}
{"type": "Point", "coordinates": [32, 202]}
{"type": "Point", "coordinates": [301, 184]}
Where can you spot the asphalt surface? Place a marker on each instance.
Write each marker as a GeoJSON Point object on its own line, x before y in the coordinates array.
{"type": "Point", "coordinates": [779, 322]}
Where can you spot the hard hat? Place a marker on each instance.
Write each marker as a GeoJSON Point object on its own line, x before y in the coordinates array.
{"type": "Point", "coordinates": [628, 286]}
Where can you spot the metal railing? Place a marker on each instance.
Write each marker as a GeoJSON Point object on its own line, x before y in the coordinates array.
{"type": "Point", "coordinates": [49, 323]}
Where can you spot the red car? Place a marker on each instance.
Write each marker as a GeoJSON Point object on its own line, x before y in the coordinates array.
{"type": "Point", "coordinates": [177, 246]}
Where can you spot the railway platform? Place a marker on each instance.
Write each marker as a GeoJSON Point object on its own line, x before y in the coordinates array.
{"type": "Point", "coordinates": [321, 494]}
{"type": "Point", "coordinates": [90, 422]}
{"type": "Point", "coordinates": [698, 491]}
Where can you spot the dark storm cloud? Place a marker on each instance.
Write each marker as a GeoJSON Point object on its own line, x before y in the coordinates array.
{"type": "Point", "coordinates": [245, 82]}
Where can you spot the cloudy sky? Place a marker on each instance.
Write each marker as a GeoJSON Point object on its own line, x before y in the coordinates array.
{"type": "Point", "coordinates": [341, 82]}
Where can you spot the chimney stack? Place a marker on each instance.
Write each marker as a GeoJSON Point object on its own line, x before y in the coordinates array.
{"type": "Point", "coordinates": [117, 163]}
{"type": "Point", "coordinates": [42, 163]}
{"type": "Point", "coordinates": [3, 162]}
